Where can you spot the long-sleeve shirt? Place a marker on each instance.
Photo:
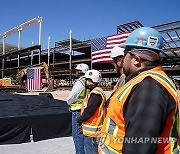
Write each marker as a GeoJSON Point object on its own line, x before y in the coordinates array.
{"type": "Point", "coordinates": [145, 113]}
{"type": "Point", "coordinates": [94, 102]}
{"type": "Point", "coordinates": [76, 90]}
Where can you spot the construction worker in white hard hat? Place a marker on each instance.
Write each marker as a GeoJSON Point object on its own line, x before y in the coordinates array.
{"type": "Point", "coordinates": [117, 54]}
{"type": "Point", "coordinates": [74, 100]}
{"type": "Point", "coordinates": [92, 112]}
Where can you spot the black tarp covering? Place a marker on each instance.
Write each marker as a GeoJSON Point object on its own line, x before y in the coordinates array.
{"type": "Point", "coordinates": [21, 116]}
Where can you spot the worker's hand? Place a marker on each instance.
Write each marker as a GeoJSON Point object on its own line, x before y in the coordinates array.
{"type": "Point", "coordinates": [79, 123]}
{"type": "Point", "coordinates": [80, 127]}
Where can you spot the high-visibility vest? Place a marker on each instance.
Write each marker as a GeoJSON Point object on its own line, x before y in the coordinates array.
{"type": "Point", "coordinates": [78, 103]}
{"type": "Point", "coordinates": [93, 125]}
{"type": "Point", "coordinates": [113, 129]}
{"type": "Point", "coordinates": [176, 129]}
{"type": "Point", "coordinates": [178, 123]}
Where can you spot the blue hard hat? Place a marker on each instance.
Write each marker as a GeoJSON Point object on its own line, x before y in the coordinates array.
{"type": "Point", "coordinates": [145, 37]}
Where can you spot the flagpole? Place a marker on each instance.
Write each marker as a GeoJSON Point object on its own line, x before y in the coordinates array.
{"type": "Point", "coordinates": [32, 55]}
{"type": "Point", "coordinates": [4, 50]}
{"type": "Point", "coordinates": [91, 54]}
{"type": "Point", "coordinates": [70, 55]}
{"type": "Point", "coordinates": [40, 38]}
{"type": "Point", "coordinates": [19, 45]}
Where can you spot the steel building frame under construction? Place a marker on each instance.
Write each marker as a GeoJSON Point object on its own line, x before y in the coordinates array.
{"type": "Point", "coordinates": [61, 61]}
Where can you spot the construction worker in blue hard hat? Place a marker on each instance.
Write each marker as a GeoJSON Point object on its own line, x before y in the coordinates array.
{"type": "Point", "coordinates": [141, 113]}
{"type": "Point", "coordinates": [74, 100]}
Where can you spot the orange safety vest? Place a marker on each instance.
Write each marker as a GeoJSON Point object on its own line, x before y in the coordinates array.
{"type": "Point", "coordinates": [113, 129]}
{"type": "Point", "coordinates": [93, 125]}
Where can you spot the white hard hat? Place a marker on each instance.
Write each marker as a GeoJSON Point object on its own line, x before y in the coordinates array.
{"type": "Point", "coordinates": [117, 51]}
{"type": "Point", "coordinates": [94, 75]}
{"type": "Point", "coordinates": [82, 67]}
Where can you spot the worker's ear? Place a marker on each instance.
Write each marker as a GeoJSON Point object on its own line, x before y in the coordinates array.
{"type": "Point", "coordinates": [137, 61]}
{"type": "Point", "coordinates": [120, 62]}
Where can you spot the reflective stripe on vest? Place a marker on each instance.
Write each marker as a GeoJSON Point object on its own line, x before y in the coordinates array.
{"type": "Point", "coordinates": [175, 140]}
{"type": "Point", "coordinates": [114, 124]}
{"type": "Point", "coordinates": [91, 129]}
{"type": "Point", "coordinates": [78, 103]}
{"type": "Point", "coordinates": [103, 149]}
{"type": "Point", "coordinates": [93, 125]}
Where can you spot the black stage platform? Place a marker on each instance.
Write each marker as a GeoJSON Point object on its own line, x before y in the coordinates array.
{"type": "Point", "coordinates": [36, 117]}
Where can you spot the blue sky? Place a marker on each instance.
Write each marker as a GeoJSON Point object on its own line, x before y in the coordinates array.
{"type": "Point", "coordinates": [87, 19]}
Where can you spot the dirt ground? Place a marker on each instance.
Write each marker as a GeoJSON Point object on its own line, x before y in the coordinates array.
{"type": "Point", "coordinates": [63, 94]}
{"type": "Point", "coordinates": [60, 94]}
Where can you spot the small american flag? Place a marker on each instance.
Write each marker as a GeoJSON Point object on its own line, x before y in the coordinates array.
{"type": "Point", "coordinates": [101, 47]}
{"type": "Point", "coordinates": [33, 79]}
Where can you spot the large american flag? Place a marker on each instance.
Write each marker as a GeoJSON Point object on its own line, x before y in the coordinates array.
{"type": "Point", "coordinates": [33, 79]}
{"type": "Point", "coordinates": [101, 47]}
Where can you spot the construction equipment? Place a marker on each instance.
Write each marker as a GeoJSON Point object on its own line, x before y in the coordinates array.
{"type": "Point", "coordinates": [22, 75]}
{"type": "Point", "coordinates": [7, 86]}
{"type": "Point", "coordinates": [5, 82]}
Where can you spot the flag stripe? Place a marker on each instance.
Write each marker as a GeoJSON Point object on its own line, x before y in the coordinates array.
{"type": "Point", "coordinates": [103, 60]}
{"type": "Point", "coordinates": [100, 52]}
{"type": "Point", "coordinates": [101, 47]}
{"type": "Point", "coordinates": [101, 56]}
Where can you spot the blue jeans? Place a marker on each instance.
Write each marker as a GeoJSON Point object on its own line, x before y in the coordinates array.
{"type": "Point", "coordinates": [90, 145]}
{"type": "Point", "coordinates": [77, 134]}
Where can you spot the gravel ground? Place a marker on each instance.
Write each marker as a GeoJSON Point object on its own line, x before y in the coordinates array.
{"type": "Point", "coordinates": [62, 145]}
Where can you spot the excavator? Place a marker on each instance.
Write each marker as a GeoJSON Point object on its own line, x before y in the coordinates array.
{"type": "Point", "coordinates": [22, 75]}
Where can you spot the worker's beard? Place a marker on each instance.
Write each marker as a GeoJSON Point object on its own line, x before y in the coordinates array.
{"type": "Point", "coordinates": [90, 87]}
{"type": "Point", "coordinates": [126, 72]}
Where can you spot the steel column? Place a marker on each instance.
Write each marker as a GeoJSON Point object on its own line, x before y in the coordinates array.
{"type": "Point", "coordinates": [70, 55]}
